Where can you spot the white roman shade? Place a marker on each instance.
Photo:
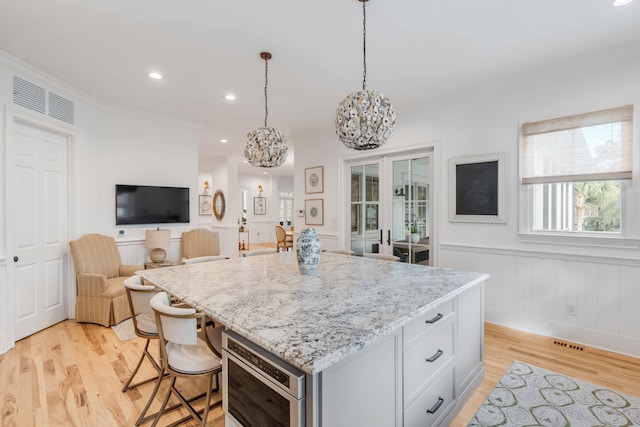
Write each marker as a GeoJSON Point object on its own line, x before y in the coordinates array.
{"type": "Point", "coordinates": [586, 147]}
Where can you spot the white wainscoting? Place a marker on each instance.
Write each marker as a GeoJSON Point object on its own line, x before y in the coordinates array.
{"type": "Point", "coordinates": [4, 322]}
{"type": "Point", "coordinates": [532, 291]}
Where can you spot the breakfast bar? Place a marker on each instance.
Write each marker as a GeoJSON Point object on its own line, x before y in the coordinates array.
{"type": "Point", "coordinates": [378, 343]}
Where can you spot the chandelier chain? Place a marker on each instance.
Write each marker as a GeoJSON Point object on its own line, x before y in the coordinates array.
{"type": "Point", "coordinates": [364, 45]}
{"type": "Point", "coordinates": [266, 82]}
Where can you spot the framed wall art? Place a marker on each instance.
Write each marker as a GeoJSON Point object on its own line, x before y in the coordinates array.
{"type": "Point", "coordinates": [314, 212]}
{"type": "Point", "coordinates": [314, 180]}
{"type": "Point", "coordinates": [259, 205]}
{"type": "Point", "coordinates": [477, 189]}
{"type": "Point", "coordinates": [205, 205]}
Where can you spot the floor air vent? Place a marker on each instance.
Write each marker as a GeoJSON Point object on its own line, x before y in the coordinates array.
{"type": "Point", "coordinates": [568, 345]}
{"type": "Point", "coordinates": [36, 98]}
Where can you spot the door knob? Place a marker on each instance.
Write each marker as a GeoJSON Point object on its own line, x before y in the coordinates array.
{"type": "Point", "coordinates": [15, 259]}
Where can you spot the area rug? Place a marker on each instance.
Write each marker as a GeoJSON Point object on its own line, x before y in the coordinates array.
{"type": "Point", "coordinates": [531, 396]}
{"type": "Point", "coordinates": [124, 330]}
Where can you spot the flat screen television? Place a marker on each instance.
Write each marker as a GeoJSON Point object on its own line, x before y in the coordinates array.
{"type": "Point", "coordinates": [143, 204]}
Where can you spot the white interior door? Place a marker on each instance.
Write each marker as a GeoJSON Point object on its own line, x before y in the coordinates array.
{"type": "Point", "coordinates": [38, 199]}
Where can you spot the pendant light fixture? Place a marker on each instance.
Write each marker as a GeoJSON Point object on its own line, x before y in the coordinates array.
{"type": "Point", "coordinates": [265, 147]}
{"type": "Point", "coordinates": [365, 119]}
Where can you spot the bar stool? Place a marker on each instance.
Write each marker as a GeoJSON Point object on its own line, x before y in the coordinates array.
{"type": "Point", "coordinates": [186, 352]}
{"type": "Point", "coordinates": [144, 325]}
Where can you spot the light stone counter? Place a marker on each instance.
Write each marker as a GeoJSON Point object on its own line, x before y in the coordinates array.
{"type": "Point", "coordinates": [312, 322]}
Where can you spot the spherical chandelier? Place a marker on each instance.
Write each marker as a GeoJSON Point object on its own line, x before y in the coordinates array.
{"type": "Point", "coordinates": [365, 119]}
{"type": "Point", "coordinates": [265, 147]}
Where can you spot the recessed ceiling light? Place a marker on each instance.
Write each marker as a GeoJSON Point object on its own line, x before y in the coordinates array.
{"type": "Point", "coordinates": [230, 97]}
{"type": "Point", "coordinates": [244, 161]}
{"type": "Point", "coordinates": [155, 75]}
{"type": "Point", "coordinates": [621, 2]}
{"type": "Point", "coordinates": [264, 173]}
{"type": "Point", "coordinates": [224, 141]}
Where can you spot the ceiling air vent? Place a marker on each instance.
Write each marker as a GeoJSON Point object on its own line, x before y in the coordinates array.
{"type": "Point", "coordinates": [61, 108]}
{"type": "Point", "coordinates": [29, 95]}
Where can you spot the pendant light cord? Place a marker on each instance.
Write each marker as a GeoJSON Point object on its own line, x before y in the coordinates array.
{"type": "Point", "coordinates": [364, 45]}
{"type": "Point", "coordinates": [266, 82]}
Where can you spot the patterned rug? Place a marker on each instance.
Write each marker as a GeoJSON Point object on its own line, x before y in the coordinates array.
{"type": "Point", "coordinates": [124, 330]}
{"type": "Point", "coordinates": [531, 396]}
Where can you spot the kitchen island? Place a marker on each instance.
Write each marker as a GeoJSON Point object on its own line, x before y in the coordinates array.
{"type": "Point", "coordinates": [361, 330]}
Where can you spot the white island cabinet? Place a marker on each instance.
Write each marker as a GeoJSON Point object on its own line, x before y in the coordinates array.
{"type": "Point", "coordinates": [379, 343]}
{"type": "Point", "coordinates": [420, 375]}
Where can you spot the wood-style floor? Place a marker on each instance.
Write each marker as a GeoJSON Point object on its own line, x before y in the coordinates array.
{"type": "Point", "coordinates": [71, 375]}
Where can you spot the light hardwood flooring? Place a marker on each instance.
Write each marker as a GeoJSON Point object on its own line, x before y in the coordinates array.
{"type": "Point", "coordinates": [71, 375]}
{"type": "Point", "coordinates": [504, 345]}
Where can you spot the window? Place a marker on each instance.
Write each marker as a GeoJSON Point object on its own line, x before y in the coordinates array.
{"type": "Point", "coordinates": [285, 211]}
{"type": "Point", "coordinates": [574, 172]}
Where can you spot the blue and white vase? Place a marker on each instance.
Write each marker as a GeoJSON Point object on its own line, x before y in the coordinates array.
{"type": "Point", "coordinates": [308, 251]}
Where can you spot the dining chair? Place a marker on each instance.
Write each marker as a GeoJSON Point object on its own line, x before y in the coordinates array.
{"type": "Point", "coordinates": [383, 257]}
{"type": "Point", "coordinates": [144, 326]}
{"type": "Point", "coordinates": [339, 251]}
{"type": "Point", "coordinates": [285, 241]}
{"type": "Point", "coordinates": [187, 352]}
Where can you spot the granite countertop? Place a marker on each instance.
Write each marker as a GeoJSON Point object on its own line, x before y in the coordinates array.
{"type": "Point", "coordinates": [311, 322]}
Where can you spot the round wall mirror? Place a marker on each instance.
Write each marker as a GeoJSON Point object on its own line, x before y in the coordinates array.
{"type": "Point", "coordinates": [218, 205]}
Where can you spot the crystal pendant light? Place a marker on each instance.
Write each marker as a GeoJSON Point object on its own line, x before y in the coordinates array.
{"type": "Point", "coordinates": [265, 147]}
{"type": "Point", "coordinates": [365, 119]}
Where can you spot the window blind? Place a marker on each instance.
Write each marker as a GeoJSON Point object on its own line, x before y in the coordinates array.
{"type": "Point", "coordinates": [586, 147]}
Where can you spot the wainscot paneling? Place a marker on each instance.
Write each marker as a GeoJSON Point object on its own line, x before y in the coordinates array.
{"type": "Point", "coordinates": [4, 322]}
{"type": "Point", "coordinates": [588, 300]}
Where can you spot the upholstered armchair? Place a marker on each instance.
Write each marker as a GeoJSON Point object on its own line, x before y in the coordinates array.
{"type": "Point", "coordinates": [100, 276]}
{"type": "Point", "coordinates": [200, 245]}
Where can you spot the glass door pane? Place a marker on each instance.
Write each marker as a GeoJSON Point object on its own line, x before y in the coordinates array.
{"type": "Point", "coordinates": [365, 208]}
{"type": "Point", "coordinates": [411, 210]}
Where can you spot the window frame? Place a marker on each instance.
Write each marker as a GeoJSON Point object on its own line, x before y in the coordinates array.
{"type": "Point", "coordinates": [627, 237]}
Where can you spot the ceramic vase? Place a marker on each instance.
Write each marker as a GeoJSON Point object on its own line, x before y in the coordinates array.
{"type": "Point", "coordinates": [308, 251]}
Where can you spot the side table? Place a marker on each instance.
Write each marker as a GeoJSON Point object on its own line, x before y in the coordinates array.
{"type": "Point", "coordinates": [150, 265]}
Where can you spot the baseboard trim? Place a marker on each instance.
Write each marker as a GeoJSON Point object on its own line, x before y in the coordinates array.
{"type": "Point", "coordinates": [583, 336]}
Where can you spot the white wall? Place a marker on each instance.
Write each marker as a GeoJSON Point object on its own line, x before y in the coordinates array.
{"type": "Point", "coordinates": [531, 283]}
{"type": "Point", "coordinates": [109, 147]}
{"type": "Point", "coordinates": [261, 227]}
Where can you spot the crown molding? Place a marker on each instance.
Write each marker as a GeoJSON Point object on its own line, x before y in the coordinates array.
{"type": "Point", "coordinates": [52, 83]}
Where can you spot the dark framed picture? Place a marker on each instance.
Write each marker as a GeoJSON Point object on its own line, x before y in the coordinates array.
{"type": "Point", "coordinates": [259, 205]}
{"type": "Point", "coordinates": [477, 191]}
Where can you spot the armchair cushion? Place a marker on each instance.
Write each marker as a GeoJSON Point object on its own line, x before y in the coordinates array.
{"type": "Point", "coordinates": [203, 259]}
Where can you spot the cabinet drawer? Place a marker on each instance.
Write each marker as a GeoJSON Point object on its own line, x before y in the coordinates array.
{"type": "Point", "coordinates": [426, 321]}
{"type": "Point", "coordinates": [423, 360]}
{"type": "Point", "coordinates": [433, 403]}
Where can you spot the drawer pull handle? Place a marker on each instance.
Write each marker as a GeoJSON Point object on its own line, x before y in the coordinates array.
{"type": "Point", "coordinates": [436, 406]}
{"type": "Point", "coordinates": [435, 319]}
{"type": "Point", "coordinates": [435, 356]}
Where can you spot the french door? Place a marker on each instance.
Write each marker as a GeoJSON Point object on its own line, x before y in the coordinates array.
{"type": "Point", "coordinates": [390, 209]}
